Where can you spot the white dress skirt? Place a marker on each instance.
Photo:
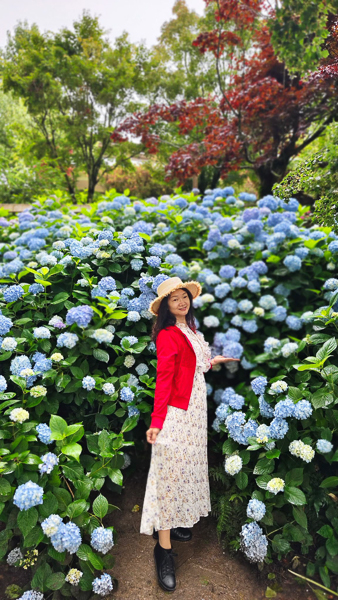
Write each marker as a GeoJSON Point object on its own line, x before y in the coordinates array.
{"type": "Point", "coordinates": [178, 492]}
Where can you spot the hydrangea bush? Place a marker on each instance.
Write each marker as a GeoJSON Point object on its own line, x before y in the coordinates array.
{"type": "Point", "coordinates": [78, 365]}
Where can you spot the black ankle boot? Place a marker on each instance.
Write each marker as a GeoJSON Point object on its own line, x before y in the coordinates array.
{"type": "Point", "coordinates": [165, 567]}
{"type": "Point", "coordinates": [179, 534]}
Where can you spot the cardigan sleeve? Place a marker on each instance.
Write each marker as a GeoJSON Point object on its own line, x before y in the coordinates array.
{"type": "Point", "coordinates": [166, 355]}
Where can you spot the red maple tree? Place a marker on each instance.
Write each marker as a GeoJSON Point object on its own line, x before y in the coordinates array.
{"type": "Point", "coordinates": [262, 116]}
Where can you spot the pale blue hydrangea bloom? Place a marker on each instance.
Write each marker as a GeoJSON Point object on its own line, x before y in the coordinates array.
{"type": "Point", "coordinates": [133, 316]}
{"type": "Point", "coordinates": [303, 409]}
{"type": "Point", "coordinates": [254, 543]}
{"type": "Point", "coordinates": [265, 409]}
{"type": "Point", "coordinates": [27, 495]}
{"type": "Point", "coordinates": [259, 385]}
{"type": "Point", "coordinates": [271, 343]}
{"type": "Point", "coordinates": [324, 446]}
{"type": "Point", "coordinates": [126, 394]}
{"type": "Point", "coordinates": [32, 595]}
{"type": "Point", "coordinates": [132, 411]}
{"type": "Point", "coordinates": [41, 333]}
{"type": "Point", "coordinates": [103, 585]}
{"type": "Point", "coordinates": [5, 325]}
{"type": "Point", "coordinates": [50, 460]}
{"type": "Point", "coordinates": [102, 539]}
{"type": "Point", "coordinates": [51, 525]}
{"type": "Point", "coordinates": [267, 302]}
{"type": "Point", "coordinates": [88, 383]}
{"type": "Point", "coordinates": [13, 292]}
{"type": "Point", "coordinates": [278, 428]}
{"type": "Point", "coordinates": [44, 433]}
{"type": "Point", "coordinates": [108, 388]}
{"type": "Point", "coordinates": [142, 369]}
{"type": "Point", "coordinates": [81, 315]}
{"type": "Point", "coordinates": [294, 322]}
{"type": "Point", "coordinates": [3, 384]}
{"type": "Point", "coordinates": [256, 509]}
{"type": "Point", "coordinates": [67, 340]}
{"type": "Point", "coordinates": [9, 344]}
{"type": "Point", "coordinates": [284, 408]}
{"type": "Point", "coordinates": [103, 336]}
{"type": "Point", "coordinates": [36, 288]}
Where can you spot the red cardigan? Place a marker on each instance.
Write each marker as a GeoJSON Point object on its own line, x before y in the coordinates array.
{"type": "Point", "coordinates": [176, 365]}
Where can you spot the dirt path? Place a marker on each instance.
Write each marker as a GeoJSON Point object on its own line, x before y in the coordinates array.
{"type": "Point", "coordinates": [203, 570]}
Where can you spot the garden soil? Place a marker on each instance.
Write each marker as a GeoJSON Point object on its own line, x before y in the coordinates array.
{"type": "Point", "coordinates": [203, 570]}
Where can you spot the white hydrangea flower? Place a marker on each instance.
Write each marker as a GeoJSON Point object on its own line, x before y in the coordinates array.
{"type": "Point", "coordinates": [19, 415]}
{"type": "Point", "coordinates": [258, 311]}
{"type": "Point", "coordinates": [275, 485]}
{"type": "Point", "coordinates": [233, 464]}
{"type": "Point", "coordinates": [129, 361]}
{"type": "Point", "coordinates": [57, 357]}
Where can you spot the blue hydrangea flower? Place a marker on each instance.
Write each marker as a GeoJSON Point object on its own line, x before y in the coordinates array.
{"type": "Point", "coordinates": [108, 388]}
{"type": "Point", "coordinates": [126, 394]}
{"type": "Point", "coordinates": [27, 495]}
{"type": "Point", "coordinates": [81, 315]}
{"type": "Point", "coordinates": [284, 408]}
{"type": "Point", "coordinates": [254, 286]}
{"type": "Point", "coordinates": [250, 326]}
{"type": "Point", "coordinates": [36, 288]}
{"type": "Point", "coordinates": [236, 402]}
{"type": "Point", "coordinates": [130, 338]}
{"type": "Point", "coordinates": [259, 385]}
{"type": "Point", "coordinates": [3, 384]}
{"type": "Point", "coordinates": [67, 340]}
{"type": "Point", "coordinates": [265, 409]}
{"type": "Point", "coordinates": [229, 305]}
{"type": "Point", "coordinates": [232, 350]}
{"type": "Point", "coordinates": [51, 525]}
{"type": "Point", "coordinates": [222, 411]}
{"type": "Point", "coordinates": [71, 537]}
{"type": "Point", "coordinates": [5, 325]}
{"type": "Point", "coordinates": [132, 411]}
{"type": "Point", "coordinates": [256, 509]}
{"type": "Point", "coordinates": [31, 595]}
{"type": "Point", "coordinates": [50, 460]}
{"type": "Point", "coordinates": [324, 446]}
{"type": "Point", "coordinates": [303, 409]}
{"type": "Point", "coordinates": [103, 585]}
{"type": "Point", "coordinates": [254, 543]}
{"type": "Point", "coordinates": [294, 323]}
{"type": "Point", "coordinates": [333, 247]}
{"type": "Point", "coordinates": [227, 272]}
{"type": "Point", "coordinates": [232, 335]}
{"type": "Point", "coordinates": [226, 396]}
{"type": "Point", "coordinates": [267, 302]}
{"type": "Point", "coordinates": [271, 343]}
{"type": "Point", "coordinates": [13, 292]}
{"type": "Point", "coordinates": [41, 333]}
{"type": "Point", "coordinates": [278, 428]}
{"type": "Point", "coordinates": [238, 282]}
{"type": "Point", "coordinates": [102, 539]}
{"type": "Point", "coordinates": [108, 284]}
{"type": "Point", "coordinates": [44, 433]}
{"type": "Point", "coordinates": [88, 383]}
{"type": "Point", "coordinates": [279, 314]}
{"type": "Point", "coordinates": [292, 262]}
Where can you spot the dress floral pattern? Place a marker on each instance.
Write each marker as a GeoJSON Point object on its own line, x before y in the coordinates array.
{"type": "Point", "coordinates": [177, 492]}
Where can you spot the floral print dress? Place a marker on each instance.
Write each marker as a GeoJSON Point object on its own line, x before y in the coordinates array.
{"type": "Point", "coordinates": [177, 492]}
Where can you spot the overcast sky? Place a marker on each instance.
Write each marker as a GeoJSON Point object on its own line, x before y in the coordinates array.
{"type": "Point", "coordinates": [142, 19]}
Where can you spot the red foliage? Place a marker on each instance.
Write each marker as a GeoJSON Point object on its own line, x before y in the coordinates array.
{"type": "Point", "coordinates": [263, 111]}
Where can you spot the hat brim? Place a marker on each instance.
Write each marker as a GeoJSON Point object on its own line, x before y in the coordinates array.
{"type": "Point", "coordinates": [193, 286]}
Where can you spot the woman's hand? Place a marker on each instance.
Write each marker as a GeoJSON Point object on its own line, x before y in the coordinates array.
{"type": "Point", "coordinates": [221, 359]}
{"type": "Point", "coordinates": [151, 434]}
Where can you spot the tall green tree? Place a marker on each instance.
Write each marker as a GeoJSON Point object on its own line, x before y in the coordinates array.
{"type": "Point", "coordinates": [77, 88]}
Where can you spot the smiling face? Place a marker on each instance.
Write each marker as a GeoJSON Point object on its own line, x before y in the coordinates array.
{"type": "Point", "coordinates": [179, 303]}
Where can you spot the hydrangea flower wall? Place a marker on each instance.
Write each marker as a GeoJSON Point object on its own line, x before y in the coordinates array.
{"type": "Point", "coordinates": [78, 366]}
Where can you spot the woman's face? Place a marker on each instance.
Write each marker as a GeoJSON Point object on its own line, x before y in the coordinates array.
{"type": "Point", "coordinates": [179, 303]}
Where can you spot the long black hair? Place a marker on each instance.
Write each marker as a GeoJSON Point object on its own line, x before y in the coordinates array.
{"type": "Point", "coordinates": [166, 318]}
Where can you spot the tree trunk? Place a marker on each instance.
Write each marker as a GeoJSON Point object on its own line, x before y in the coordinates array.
{"type": "Point", "coordinates": [268, 176]}
{"type": "Point", "coordinates": [92, 181]}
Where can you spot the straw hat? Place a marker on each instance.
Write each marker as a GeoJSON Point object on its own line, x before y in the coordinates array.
{"type": "Point", "coordinates": [170, 285]}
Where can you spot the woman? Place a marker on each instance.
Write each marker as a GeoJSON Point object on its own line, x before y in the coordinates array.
{"type": "Point", "coordinates": [177, 492]}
